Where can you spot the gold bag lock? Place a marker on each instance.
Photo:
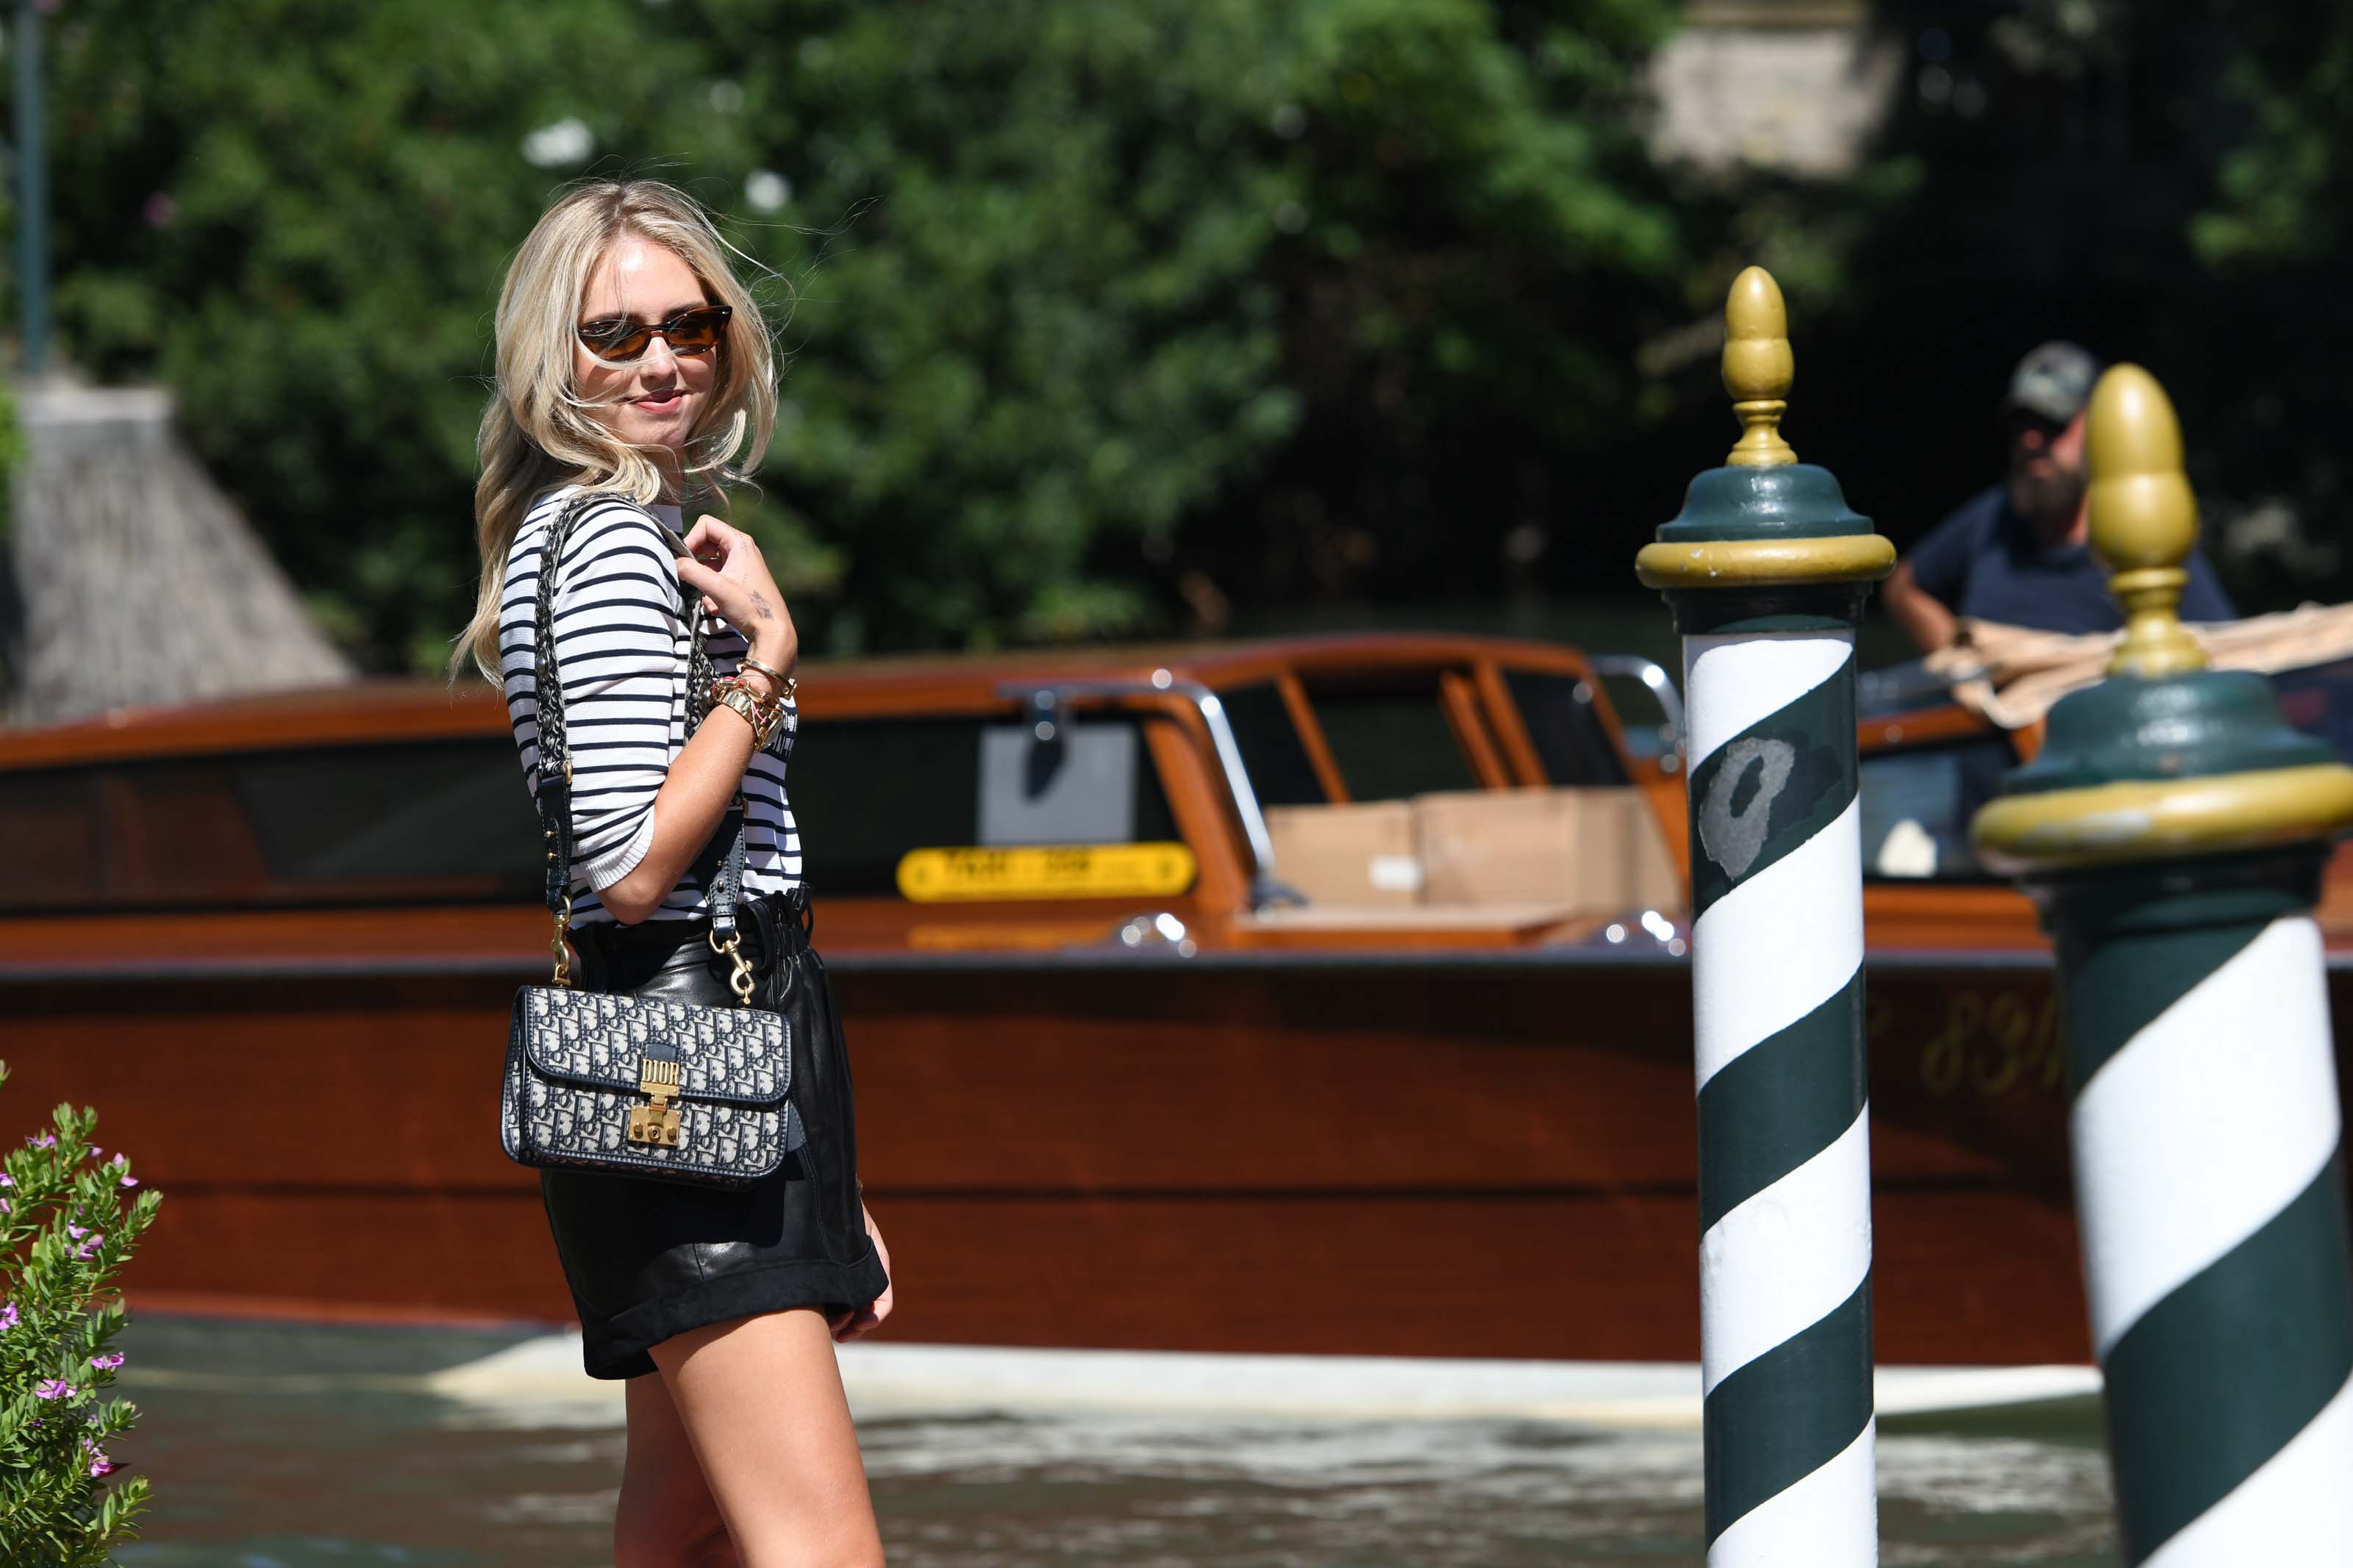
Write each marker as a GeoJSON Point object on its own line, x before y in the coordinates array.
{"type": "Point", "coordinates": [657, 1123]}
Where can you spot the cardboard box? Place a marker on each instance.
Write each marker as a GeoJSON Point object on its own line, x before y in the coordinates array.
{"type": "Point", "coordinates": [1350, 856]}
{"type": "Point", "coordinates": [1654, 881]}
{"type": "Point", "coordinates": [1592, 850]}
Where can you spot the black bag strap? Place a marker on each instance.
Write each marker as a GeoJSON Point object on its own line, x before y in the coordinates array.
{"type": "Point", "coordinates": [552, 788]}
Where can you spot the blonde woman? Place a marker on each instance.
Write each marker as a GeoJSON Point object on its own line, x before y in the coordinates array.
{"type": "Point", "coordinates": [633, 366]}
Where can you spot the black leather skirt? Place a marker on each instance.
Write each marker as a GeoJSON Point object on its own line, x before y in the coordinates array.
{"type": "Point", "coordinates": [648, 1260]}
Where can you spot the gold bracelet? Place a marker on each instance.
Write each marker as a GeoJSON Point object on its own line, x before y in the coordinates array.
{"type": "Point", "coordinates": [727, 691]}
{"type": "Point", "coordinates": [787, 688]}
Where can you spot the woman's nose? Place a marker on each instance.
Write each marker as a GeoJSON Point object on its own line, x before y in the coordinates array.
{"type": "Point", "coordinates": [659, 360]}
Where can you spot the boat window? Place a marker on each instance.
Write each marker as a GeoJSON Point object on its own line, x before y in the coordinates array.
{"type": "Point", "coordinates": [864, 791]}
{"type": "Point", "coordinates": [1390, 737]}
{"type": "Point", "coordinates": [1916, 806]}
{"type": "Point", "coordinates": [1568, 735]}
{"type": "Point", "coordinates": [1279, 772]}
{"type": "Point", "coordinates": [432, 821]}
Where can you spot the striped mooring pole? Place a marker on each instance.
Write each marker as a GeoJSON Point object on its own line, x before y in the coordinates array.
{"type": "Point", "coordinates": [2173, 830]}
{"type": "Point", "coordinates": [1765, 570]}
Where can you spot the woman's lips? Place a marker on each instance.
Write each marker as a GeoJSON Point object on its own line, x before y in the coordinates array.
{"type": "Point", "coordinates": [660, 402]}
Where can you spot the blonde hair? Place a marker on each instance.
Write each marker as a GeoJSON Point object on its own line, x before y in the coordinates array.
{"type": "Point", "coordinates": [539, 431]}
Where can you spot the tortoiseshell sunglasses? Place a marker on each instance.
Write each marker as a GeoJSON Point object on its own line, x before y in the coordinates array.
{"type": "Point", "coordinates": [695, 331]}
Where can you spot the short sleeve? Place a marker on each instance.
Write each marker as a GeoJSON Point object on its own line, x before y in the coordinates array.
{"type": "Point", "coordinates": [1940, 560]}
{"type": "Point", "coordinates": [617, 625]}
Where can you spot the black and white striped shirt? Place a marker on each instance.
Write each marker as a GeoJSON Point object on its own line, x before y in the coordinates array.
{"type": "Point", "coordinates": [621, 649]}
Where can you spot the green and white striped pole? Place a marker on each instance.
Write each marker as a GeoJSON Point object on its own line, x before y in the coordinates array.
{"type": "Point", "coordinates": [1765, 570]}
{"type": "Point", "coordinates": [2173, 830]}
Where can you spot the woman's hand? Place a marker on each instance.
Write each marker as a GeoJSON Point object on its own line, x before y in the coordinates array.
{"type": "Point", "coordinates": [726, 568]}
{"type": "Point", "coordinates": [848, 1325]}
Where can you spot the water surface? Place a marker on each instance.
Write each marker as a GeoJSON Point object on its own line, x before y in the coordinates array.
{"type": "Point", "coordinates": [304, 1447]}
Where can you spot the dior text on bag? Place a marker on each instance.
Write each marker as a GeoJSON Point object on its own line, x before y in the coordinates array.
{"type": "Point", "coordinates": [641, 1086]}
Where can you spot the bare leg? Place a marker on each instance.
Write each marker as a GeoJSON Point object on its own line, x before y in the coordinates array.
{"type": "Point", "coordinates": [761, 1401]}
{"type": "Point", "coordinates": [668, 1518]}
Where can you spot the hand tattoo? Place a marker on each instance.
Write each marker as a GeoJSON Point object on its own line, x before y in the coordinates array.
{"type": "Point", "coordinates": [760, 605]}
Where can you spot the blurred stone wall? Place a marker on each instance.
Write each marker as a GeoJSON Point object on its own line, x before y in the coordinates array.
{"type": "Point", "coordinates": [1799, 87]}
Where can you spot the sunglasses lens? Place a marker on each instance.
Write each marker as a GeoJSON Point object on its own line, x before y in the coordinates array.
{"type": "Point", "coordinates": [617, 342]}
{"type": "Point", "coordinates": [696, 332]}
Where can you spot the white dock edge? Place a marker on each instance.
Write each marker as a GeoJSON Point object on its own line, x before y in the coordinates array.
{"type": "Point", "coordinates": [539, 1379]}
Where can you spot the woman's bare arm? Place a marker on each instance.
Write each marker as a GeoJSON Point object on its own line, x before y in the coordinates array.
{"type": "Point", "coordinates": [687, 810]}
{"type": "Point", "coordinates": [726, 566]}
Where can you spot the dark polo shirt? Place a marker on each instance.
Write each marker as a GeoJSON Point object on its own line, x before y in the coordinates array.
{"type": "Point", "coordinates": [1984, 561]}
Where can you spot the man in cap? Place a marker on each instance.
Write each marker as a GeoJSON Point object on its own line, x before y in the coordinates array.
{"type": "Point", "coordinates": [2016, 553]}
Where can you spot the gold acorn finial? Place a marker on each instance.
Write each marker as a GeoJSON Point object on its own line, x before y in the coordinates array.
{"type": "Point", "coordinates": [1757, 368]}
{"type": "Point", "coordinates": [2144, 520]}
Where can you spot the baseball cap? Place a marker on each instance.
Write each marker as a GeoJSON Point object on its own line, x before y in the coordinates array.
{"type": "Point", "coordinates": [2053, 381]}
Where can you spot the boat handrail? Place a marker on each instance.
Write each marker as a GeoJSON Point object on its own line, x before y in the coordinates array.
{"type": "Point", "coordinates": [1661, 687]}
{"type": "Point", "coordinates": [1048, 699]}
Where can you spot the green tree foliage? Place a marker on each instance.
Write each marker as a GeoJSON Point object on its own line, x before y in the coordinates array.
{"type": "Point", "coordinates": [70, 1219]}
{"type": "Point", "coordinates": [1082, 294]}
{"type": "Point", "coordinates": [296, 214]}
{"type": "Point", "coordinates": [2283, 192]}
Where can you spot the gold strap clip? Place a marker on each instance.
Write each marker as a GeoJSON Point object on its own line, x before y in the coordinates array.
{"type": "Point", "coordinates": [741, 980]}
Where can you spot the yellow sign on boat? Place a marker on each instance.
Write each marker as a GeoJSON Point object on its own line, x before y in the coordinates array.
{"type": "Point", "coordinates": [1046, 872]}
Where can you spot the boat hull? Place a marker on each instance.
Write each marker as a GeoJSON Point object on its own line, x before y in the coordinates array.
{"type": "Point", "coordinates": [1376, 1154]}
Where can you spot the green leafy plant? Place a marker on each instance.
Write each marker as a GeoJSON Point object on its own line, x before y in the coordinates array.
{"type": "Point", "coordinates": [70, 1217]}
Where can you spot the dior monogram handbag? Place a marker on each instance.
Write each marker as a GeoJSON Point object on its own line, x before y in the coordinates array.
{"type": "Point", "coordinates": [639, 1086]}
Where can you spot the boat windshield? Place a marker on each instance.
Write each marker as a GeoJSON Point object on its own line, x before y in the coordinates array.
{"type": "Point", "coordinates": [1389, 735]}
{"type": "Point", "coordinates": [868, 792]}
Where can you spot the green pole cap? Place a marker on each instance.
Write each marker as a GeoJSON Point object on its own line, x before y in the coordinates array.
{"type": "Point", "coordinates": [2165, 758]}
{"type": "Point", "coordinates": [1764, 519]}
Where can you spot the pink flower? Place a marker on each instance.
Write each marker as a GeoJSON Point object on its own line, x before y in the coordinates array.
{"type": "Point", "coordinates": [9, 1316]}
{"type": "Point", "coordinates": [108, 1362]}
{"type": "Point", "coordinates": [88, 1249]}
{"type": "Point", "coordinates": [45, 1141]}
{"type": "Point", "coordinates": [129, 1180]}
{"type": "Point", "coordinates": [97, 1153]}
{"type": "Point", "coordinates": [4, 1208]}
{"type": "Point", "coordinates": [76, 1232]}
{"type": "Point", "coordinates": [99, 1463]}
{"type": "Point", "coordinates": [52, 1388]}
{"type": "Point", "coordinates": [6, 1180]}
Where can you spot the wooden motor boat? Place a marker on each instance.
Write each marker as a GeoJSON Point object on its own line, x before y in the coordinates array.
{"type": "Point", "coordinates": [1319, 995]}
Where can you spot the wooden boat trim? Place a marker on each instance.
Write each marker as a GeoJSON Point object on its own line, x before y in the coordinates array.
{"type": "Point", "coordinates": [1457, 695]}
{"type": "Point", "coordinates": [1312, 739]}
{"type": "Point", "coordinates": [1511, 729]}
